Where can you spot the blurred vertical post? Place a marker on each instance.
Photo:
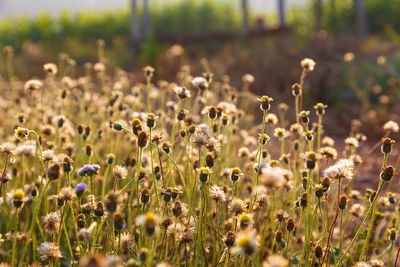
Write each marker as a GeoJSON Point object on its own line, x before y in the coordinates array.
{"type": "Point", "coordinates": [281, 11]}
{"type": "Point", "coordinates": [245, 16]}
{"type": "Point", "coordinates": [361, 17]}
{"type": "Point", "coordinates": [146, 19]}
{"type": "Point", "coordinates": [135, 35]}
{"type": "Point", "coordinates": [317, 14]}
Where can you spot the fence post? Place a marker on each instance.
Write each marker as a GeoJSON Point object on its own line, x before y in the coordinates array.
{"type": "Point", "coordinates": [281, 11]}
{"type": "Point", "coordinates": [135, 35]}
{"type": "Point", "coordinates": [361, 18]}
{"type": "Point", "coordinates": [245, 16]}
{"type": "Point", "coordinates": [146, 19]}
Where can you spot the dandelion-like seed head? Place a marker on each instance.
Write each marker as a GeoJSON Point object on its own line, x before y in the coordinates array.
{"type": "Point", "coordinates": [248, 78]}
{"type": "Point", "coordinates": [50, 68]}
{"type": "Point", "coordinates": [33, 85]}
{"type": "Point", "coordinates": [343, 169]}
{"type": "Point", "coordinates": [200, 83]}
{"type": "Point", "coordinates": [182, 92]}
{"type": "Point", "coordinates": [391, 126]}
{"type": "Point", "coordinates": [120, 172]}
{"type": "Point", "coordinates": [308, 64]}
{"type": "Point", "coordinates": [49, 251]}
{"type": "Point", "coordinates": [8, 148]}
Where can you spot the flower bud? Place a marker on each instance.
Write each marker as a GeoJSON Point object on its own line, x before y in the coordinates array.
{"type": "Point", "coordinates": [145, 196]}
{"type": "Point", "coordinates": [18, 198]}
{"type": "Point", "coordinates": [142, 139]}
{"type": "Point", "coordinates": [392, 234]}
{"type": "Point", "coordinates": [296, 89]}
{"type": "Point", "coordinates": [177, 209]}
{"type": "Point", "coordinates": [387, 144]}
{"type": "Point", "coordinates": [388, 173]}
{"type": "Point", "coordinates": [117, 126]}
{"type": "Point", "coordinates": [99, 209]}
{"type": "Point", "coordinates": [290, 225]}
{"type": "Point", "coordinates": [151, 120]}
{"type": "Point", "coordinates": [303, 200]}
{"type": "Point", "coordinates": [342, 202]}
{"type": "Point", "coordinates": [229, 239]}
{"type": "Point", "coordinates": [318, 252]}
{"type": "Point", "coordinates": [319, 190]}
{"type": "Point", "coordinates": [119, 221]}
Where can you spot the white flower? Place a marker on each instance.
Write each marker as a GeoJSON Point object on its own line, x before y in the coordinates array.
{"type": "Point", "coordinates": [120, 172]}
{"type": "Point", "coordinates": [248, 78]}
{"type": "Point", "coordinates": [202, 134]}
{"type": "Point", "coordinates": [246, 242]}
{"type": "Point", "coordinates": [200, 82]}
{"type": "Point", "coordinates": [48, 155]}
{"type": "Point", "coordinates": [351, 141]}
{"type": "Point", "coordinates": [341, 169]}
{"type": "Point", "coordinates": [275, 177]}
{"type": "Point", "coordinates": [49, 251]}
{"type": "Point", "coordinates": [391, 126]}
{"type": "Point", "coordinates": [308, 64]}
{"type": "Point", "coordinates": [217, 194]}
{"type": "Point", "coordinates": [275, 260]}
{"type": "Point", "coordinates": [182, 92]}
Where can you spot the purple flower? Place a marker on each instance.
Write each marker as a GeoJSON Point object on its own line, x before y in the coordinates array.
{"type": "Point", "coordinates": [88, 169]}
{"type": "Point", "coordinates": [80, 187]}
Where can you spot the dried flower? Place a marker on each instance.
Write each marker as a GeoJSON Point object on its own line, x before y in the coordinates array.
{"type": "Point", "coordinates": [49, 251]}
{"type": "Point", "coordinates": [308, 64]}
{"type": "Point", "coordinates": [343, 169]}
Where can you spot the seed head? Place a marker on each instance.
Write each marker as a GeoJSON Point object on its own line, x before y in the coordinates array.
{"type": "Point", "coordinates": [50, 68]}
{"type": "Point", "coordinates": [388, 173]}
{"type": "Point", "coordinates": [120, 172]}
{"type": "Point", "coordinates": [142, 139]}
{"type": "Point", "coordinates": [391, 126]}
{"type": "Point", "coordinates": [119, 221]}
{"type": "Point", "coordinates": [200, 83]}
{"type": "Point", "coordinates": [387, 144]}
{"type": "Point", "coordinates": [308, 64]}
{"type": "Point", "coordinates": [343, 169]}
{"type": "Point", "coordinates": [182, 92]}
{"type": "Point", "coordinates": [49, 251]}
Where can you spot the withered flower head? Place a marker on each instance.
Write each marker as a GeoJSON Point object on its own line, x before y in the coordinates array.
{"type": "Point", "coordinates": [308, 64]}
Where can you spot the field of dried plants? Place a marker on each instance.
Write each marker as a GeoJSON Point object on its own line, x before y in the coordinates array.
{"type": "Point", "coordinates": [103, 169]}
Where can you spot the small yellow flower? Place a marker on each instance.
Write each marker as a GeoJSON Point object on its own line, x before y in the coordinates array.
{"type": "Point", "coordinates": [18, 194]}
{"type": "Point", "coordinates": [148, 71]}
{"type": "Point", "coordinates": [21, 133]}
